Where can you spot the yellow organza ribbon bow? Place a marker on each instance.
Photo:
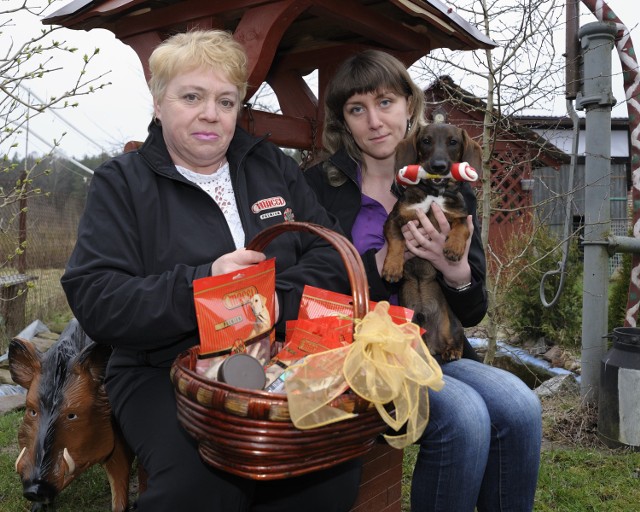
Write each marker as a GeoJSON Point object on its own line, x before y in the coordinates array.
{"type": "Point", "coordinates": [386, 363]}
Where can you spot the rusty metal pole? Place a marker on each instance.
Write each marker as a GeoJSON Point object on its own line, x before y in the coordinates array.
{"type": "Point", "coordinates": [572, 72]}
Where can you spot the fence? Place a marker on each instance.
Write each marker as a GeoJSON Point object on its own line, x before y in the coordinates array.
{"type": "Point", "coordinates": [30, 273]}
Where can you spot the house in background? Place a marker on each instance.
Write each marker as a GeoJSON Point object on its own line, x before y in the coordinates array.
{"type": "Point", "coordinates": [551, 186]}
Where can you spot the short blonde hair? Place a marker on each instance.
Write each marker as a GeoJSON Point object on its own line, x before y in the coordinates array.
{"type": "Point", "coordinates": [186, 51]}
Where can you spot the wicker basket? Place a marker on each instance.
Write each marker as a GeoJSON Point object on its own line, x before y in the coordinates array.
{"type": "Point", "coordinates": [248, 432]}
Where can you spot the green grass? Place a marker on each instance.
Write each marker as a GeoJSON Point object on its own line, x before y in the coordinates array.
{"type": "Point", "coordinates": [409, 460]}
{"type": "Point", "coordinates": [582, 480]}
{"type": "Point", "coordinates": [46, 299]}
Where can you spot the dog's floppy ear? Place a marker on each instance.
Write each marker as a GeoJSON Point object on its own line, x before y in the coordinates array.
{"type": "Point", "coordinates": [406, 152]}
{"type": "Point", "coordinates": [471, 152]}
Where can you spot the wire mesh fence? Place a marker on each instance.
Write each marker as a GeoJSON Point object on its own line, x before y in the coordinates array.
{"type": "Point", "coordinates": [36, 240]}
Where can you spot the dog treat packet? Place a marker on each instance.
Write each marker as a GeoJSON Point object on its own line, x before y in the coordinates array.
{"type": "Point", "coordinates": [306, 336]}
{"type": "Point", "coordinates": [317, 302]}
{"type": "Point", "coordinates": [235, 313]}
{"type": "Point", "coordinates": [335, 329]}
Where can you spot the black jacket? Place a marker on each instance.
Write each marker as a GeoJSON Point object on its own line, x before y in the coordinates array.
{"type": "Point", "coordinates": [148, 232]}
{"type": "Point", "coordinates": [344, 202]}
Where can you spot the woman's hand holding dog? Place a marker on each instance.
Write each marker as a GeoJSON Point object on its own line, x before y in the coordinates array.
{"type": "Point", "coordinates": [426, 241]}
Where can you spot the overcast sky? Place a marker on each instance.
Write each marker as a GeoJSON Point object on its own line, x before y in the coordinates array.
{"type": "Point", "coordinates": [121, 111]}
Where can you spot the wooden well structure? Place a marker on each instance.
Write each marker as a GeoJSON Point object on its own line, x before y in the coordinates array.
{"type": "Point", "coordinates": [285, 40]}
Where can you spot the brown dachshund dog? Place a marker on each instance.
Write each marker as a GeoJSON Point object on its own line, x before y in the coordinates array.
{"type": "Point", "coordinates": [435, 148]}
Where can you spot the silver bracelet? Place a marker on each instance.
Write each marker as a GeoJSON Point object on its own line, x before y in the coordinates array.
{"type": "Point", "coordinates": [464, 287]}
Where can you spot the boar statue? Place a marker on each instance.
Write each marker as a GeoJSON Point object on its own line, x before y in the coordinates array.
{"type": "Point", "coordinates": [67, 425]}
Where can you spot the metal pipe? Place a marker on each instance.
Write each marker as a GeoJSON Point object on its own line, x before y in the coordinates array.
{"type": "Point", "coordinates": [572, 85]}
{"type": "Point", "coordinates": [597, 42]}
{"type": "Point", "coordinates": [623, 244]}
{"type": "Point", "coordinates": [572, 75]}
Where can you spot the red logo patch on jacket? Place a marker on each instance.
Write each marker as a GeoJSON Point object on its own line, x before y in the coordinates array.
{"type": "Point", "coordinates": [268, 204]}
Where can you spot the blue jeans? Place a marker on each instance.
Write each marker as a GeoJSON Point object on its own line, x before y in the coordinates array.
{"type": "Point", "coordinates": [481, 447]}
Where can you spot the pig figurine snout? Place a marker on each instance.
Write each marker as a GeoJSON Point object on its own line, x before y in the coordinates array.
{"type": "Point", "coordinates": [39, 491]}
{"type": "Point", "coordinates": [67, 425]}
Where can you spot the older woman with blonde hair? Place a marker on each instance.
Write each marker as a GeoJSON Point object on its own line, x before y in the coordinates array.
{"type": "Point", "coordinates": [179, 208]}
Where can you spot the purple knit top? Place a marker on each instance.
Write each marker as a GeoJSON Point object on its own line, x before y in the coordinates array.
{"type": "Point", "coordinates": [367, 232]}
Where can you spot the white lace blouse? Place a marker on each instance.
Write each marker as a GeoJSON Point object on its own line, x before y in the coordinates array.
{"type": "Point", "coordinates": [218, 186]}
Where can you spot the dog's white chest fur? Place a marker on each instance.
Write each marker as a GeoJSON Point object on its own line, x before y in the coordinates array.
{"type": "Point", "coordinates": [426, 203]}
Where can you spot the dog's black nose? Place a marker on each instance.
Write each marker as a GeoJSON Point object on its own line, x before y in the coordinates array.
{"type": "Point", "coordinates": [439, 166]}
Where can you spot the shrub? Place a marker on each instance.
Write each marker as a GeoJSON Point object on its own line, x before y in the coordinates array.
{"type": "Point", "coordinates": [524, 311]}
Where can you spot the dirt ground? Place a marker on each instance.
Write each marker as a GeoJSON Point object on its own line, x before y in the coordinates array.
{"type": "Point", "coordinates": [567, 422]}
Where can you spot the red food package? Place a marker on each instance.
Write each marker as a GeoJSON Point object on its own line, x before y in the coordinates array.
{"type": "Point", "coordinates": [234, 309]}
{"type": "Point", "coordinates": [317, 302]}
{"type": "Point", "coordinates": [323, 326]}
{"type": "Point", "coordinates": [306, 336]}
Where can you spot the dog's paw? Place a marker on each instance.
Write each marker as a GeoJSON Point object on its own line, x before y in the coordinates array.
{"type": "Point", "coordinates": [455, 245]}
{"type": "Point", "coordinates": [451, 354]}
{"type": "Point", "coordinates": [392, 271]}
{"type": "Point", "coordinates": [452, 253]}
